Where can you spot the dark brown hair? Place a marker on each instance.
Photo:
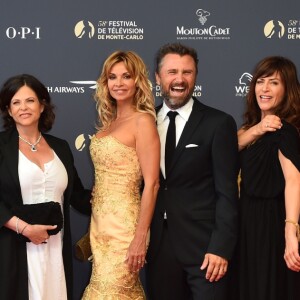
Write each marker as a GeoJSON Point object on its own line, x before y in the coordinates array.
{"type": "Point", "coordinates": [289, 108]}
{"type": "Point", "coordinates": [10, 88]}
{"type": "Point", "coordinates": [175, 48]}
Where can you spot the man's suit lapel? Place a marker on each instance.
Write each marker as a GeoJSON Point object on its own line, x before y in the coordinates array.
{"type": "Point", "coordinates": [189, 129]}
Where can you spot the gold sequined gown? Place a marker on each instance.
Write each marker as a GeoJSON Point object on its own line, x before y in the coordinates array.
{"type": "Point", "coordinates": [115, 210]}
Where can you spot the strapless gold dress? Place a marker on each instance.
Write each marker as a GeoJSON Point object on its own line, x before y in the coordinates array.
{"type": "Point", "coordinates": [115, 211]}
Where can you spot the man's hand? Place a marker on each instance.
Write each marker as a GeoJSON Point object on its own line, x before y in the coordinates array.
{"type": "Point", "coordinates": [216, 267]}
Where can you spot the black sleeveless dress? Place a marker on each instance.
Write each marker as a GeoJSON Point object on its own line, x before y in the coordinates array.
{"type": "Point", "coordinates": [263, 272]}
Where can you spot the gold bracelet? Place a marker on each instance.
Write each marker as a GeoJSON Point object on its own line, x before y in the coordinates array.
{"type": "Point", "coordinates": [297, 228]}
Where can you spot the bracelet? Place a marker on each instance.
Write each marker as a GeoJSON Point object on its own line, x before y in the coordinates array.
{"type": "Point", "coordinates": [23, 229]}
{"type": "Point", "coordinates": [17, 225]}
{"type": "Point", "coordinates": [292, 222]}
{"type": "Point", "coordinates": [297, 228]}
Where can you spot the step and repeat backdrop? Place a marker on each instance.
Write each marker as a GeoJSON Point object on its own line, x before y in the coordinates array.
{"type": "Point", "coordinates": [64, 44]}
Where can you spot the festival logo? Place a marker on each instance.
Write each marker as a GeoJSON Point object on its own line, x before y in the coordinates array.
{"type": "Point", "coordinates": [287, 30]}
{"type": "Point", "coordinates": [293, 28]}
{"type": "Point", "coordinates": [84, 30]}
{"type": "Point", "coordinates": [82, 141]}
{"type": "Point", "coordinates": [109, 30]}
{"type": "Point", "coordinates": [242, 89]}
{"type": "Point", "coordinates": [274, 29]}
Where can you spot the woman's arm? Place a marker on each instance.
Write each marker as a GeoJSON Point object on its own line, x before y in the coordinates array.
{"type": "Point", "coordinates": [148, 151]}
{"type": "Point", "coordinates": [80, 197]}
{"type": "Point", "coordinates": [268, 124]}
{"type": "Point", "coordinates": [37, 234]}
{"type": "Point", "coordinates": [292, 212]}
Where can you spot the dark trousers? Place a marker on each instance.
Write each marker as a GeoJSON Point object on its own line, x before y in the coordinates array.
{"type": "Point", "coordinates": [168, 279]}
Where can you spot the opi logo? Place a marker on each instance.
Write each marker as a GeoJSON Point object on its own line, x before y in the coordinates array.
{"type": "Point", "coordinates": [23, 33]}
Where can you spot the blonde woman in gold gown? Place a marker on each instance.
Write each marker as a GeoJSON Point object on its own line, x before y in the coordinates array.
{"type": "Point", "coordinates": [125, 152]}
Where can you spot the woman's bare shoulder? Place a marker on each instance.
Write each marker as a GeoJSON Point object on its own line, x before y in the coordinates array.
{"type": "Point", "coordinates": [143, 118]}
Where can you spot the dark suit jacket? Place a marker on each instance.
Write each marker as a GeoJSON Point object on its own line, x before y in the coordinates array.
{"type": "Point", "coordinates": [13, 259]}
{"type": "Point", "coordinates": [200, 194]}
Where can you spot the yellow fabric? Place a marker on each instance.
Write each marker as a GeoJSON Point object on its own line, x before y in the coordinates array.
{"type": "Point", "coordinates": [115, 211]}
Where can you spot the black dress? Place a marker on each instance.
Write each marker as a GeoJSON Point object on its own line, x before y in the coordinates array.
{"type": "Point", "coordinates": [263, 272]}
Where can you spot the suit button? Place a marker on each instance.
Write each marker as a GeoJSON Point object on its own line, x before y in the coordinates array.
{"type": "Point", "coordinates": [166, 188]}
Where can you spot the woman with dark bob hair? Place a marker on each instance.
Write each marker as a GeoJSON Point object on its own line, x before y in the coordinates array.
{"type": "Point", "coordinates": [38, 182]}
{"type": "Point", "coordinates": [269, 145]}
{"type": "Point", "coordinates": [46, 119]}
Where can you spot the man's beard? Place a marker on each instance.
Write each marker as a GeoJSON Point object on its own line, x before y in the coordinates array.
{"type": "Point", "coordinates": [175, 103]}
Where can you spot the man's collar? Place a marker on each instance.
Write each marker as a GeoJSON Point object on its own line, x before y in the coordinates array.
{"type": "Point", "coordinates": [183, 111]}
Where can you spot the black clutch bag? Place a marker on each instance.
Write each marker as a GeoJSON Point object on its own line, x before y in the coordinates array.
{"type": "Point", "coordinates": [46, 213]}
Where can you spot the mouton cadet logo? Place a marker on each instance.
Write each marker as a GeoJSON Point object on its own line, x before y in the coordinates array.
{"type": "Point", "coordinates": [205, 31]}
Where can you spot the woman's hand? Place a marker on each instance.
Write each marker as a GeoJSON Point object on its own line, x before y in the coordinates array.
{"type": "Point", "coordinates": [291, 253]}
{"type": "Point", "coordinates": [135, 257]}
{"type": "Point", "coordinates": [268, 123]}
{"type": "Point", "coordinates": [38, 234]}
{"type": "Point", "coordinates": [247, 136]}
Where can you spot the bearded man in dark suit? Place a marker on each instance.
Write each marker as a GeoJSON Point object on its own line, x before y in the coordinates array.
{"type": "Point", "coordinates": [194, 227]}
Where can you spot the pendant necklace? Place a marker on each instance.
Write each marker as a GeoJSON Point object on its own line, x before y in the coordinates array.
{"type": "Point", "coordinates": [32, 146]}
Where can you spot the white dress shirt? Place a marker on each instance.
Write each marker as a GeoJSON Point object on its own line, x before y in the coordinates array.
{"type": "Point", "coordinates": [184, 113]}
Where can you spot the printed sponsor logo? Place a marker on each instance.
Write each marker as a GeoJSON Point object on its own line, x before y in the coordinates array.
{"type": "Point", "coordinates": [23, 33]}
{"type": "Point", "coordinates": [78, 87]}
{"type": "Point", "coordinates": [197, 91]}
{"type": "Point", "coordinates": [242, 89]}
{"type": "Point", "coordinates": [202, 14]}
{"type": "Point", "coordinates": [205, 32]}
{"type": "Point", "coordinates": [109, 30]}
{"type": "Point", "coordinates": [84, 29]}
{"type": "Point", "coordinates": [287, 30]}
{"type": "Point", "coordinates": [274, 29]}
{"type": "Point", "coordinates": [82, 141]}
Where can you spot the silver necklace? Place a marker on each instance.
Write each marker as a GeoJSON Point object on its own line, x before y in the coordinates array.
{"type": "Point", "coordinates": [32, 146]}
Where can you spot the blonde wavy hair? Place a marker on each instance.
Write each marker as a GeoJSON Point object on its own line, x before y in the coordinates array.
{"type": "Point", "coordinates": [143, 100]}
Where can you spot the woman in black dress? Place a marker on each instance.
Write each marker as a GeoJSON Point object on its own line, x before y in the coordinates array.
{"type": "Point", "coordinates": [269, 144]}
